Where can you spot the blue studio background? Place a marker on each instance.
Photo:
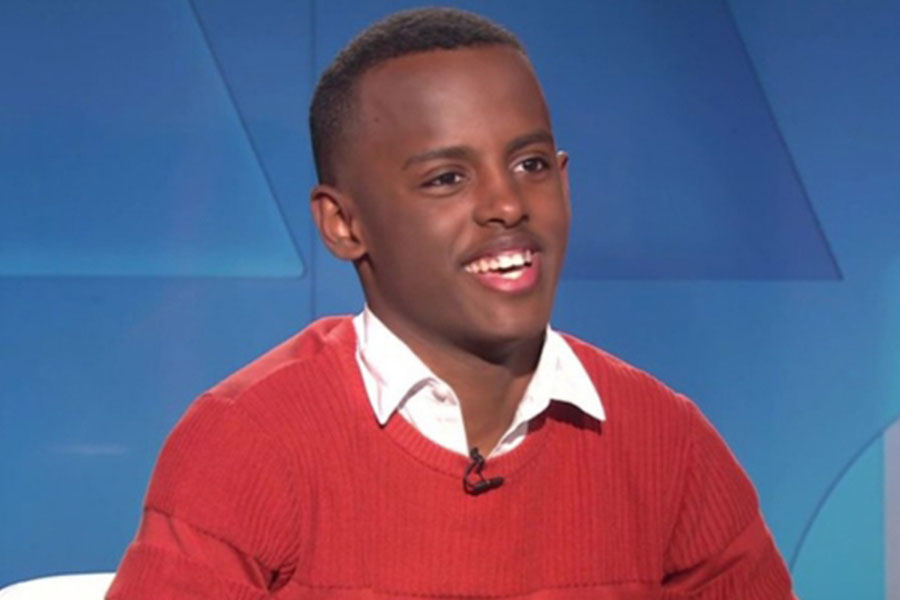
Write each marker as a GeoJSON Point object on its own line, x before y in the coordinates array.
{"type": "Point", "coordinates": [735, 190]}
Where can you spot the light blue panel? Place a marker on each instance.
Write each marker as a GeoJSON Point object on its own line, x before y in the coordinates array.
{"type": "Point", "coordinates": [843, 555]}
{"type": "Point", "coordinates": [263, 52]}
{"type": "Point", "coordinates": [122, 153]}
{"type": "Point", "coordinates": [891, 443]}
{"type": "Point", "coordinates": [830, 72]}
{"type": "Point", "coordinates": [266, 53]}
{"type": "Point", "coordinates": [678, 170]}
{"type": "Point", "coordinates": [94, 374]}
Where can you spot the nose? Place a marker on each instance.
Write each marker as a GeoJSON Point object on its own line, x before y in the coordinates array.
{"type": "Point", "coordinates": [500, 200]}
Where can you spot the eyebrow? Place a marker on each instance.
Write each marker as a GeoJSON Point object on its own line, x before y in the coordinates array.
{"type": "Point", "coordinates": [458, 152]}
{"type": "Point", "coordinates": [541, 136]}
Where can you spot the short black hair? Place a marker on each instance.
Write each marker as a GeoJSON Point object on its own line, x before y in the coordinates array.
{"type": "Point", "coordinates": [406, 32]}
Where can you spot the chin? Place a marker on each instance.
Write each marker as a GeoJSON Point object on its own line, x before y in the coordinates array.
{"type": "Point", "coordinates": [510, 329]}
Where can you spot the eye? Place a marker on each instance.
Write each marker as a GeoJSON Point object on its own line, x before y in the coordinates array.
{"type": "Point", "coordinates": [445, 179]}
{"type": "Point", "coordinates": [533, 164]}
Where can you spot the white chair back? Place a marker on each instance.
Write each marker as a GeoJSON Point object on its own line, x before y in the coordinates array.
{"type": "Point", "coordinates": [80, 586]}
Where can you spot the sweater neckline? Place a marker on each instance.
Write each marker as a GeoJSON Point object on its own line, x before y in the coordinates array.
{"type": "Point", "coordinates": [416, 445]}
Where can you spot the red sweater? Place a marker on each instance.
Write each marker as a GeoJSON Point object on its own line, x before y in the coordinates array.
{"type": "Point", "coordinates": [285, 462]}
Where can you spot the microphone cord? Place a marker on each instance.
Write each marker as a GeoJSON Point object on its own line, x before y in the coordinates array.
{"type": "Point", "coordinates": [480, 485]}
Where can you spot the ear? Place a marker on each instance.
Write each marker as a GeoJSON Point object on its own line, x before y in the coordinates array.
{"type": "Point", "coordinates": [332, 210]}
{"type": "Point", "coordinates": [562, 163]}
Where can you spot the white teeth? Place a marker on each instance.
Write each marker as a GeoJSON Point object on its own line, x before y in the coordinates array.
{"type": "Point", "coordinates": [512, 274]}
{"type": "Point", "coordinates": [507, 260]}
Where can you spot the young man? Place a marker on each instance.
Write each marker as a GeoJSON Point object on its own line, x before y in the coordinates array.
{"type": "Point", "coordinates": [350, 461]}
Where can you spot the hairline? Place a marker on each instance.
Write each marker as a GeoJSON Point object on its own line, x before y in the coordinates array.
{"type": "Point", "coordinates": [354, 97]}
{"type": "Point", "coordinates": [336, 101]}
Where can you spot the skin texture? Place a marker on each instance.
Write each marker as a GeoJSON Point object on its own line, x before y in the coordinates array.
{"type": "Point", "coordinates": [451, 156]}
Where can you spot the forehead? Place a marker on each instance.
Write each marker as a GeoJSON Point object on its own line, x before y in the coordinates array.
{"type": "Point", "coordinates": [471, 96]}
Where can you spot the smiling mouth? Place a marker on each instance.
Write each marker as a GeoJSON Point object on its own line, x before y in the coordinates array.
{"type": "Point", "coordinates": [507, 271]}
{"type": "Point", "coordinates": [511, 263]}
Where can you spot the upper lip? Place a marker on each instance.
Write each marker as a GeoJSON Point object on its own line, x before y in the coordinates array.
{"type": "Point", "coordinates": [502, 243]}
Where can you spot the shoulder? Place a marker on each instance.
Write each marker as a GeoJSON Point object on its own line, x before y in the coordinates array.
{"type": "Point", "coordinates": [230, 466]}
{"type": "Point", "coordinates": [631, 394]}
{"type": "Point", "coordinates": [268, 406]}
{"type": "Point", "coordinates": [228, 478]}
{"type": "Point", "coordinates": [321, 338]}
{"type": "Point", "coordinates": [662, 430]}
{"type": "Point", "coordinates": [233, 438]}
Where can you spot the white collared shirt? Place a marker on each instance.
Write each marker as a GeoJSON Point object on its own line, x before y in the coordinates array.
{"type": "Point", "coordinates": [396, 380]}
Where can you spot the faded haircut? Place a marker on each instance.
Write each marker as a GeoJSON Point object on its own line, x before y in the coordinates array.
{"type": "Point", "coordinates": [402, 33]}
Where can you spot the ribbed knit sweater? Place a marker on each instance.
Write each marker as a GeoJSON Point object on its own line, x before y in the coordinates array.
{"type": "Point", "coordinates": [285, 462]}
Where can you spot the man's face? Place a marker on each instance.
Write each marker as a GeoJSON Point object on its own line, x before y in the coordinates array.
{"type": "Point", "coordinates": [460, 195]}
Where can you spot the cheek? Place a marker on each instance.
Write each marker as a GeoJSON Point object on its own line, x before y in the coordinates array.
{"type": "Point", "coordinates": [563, 210]}
{"type": "Point", "coordinates": [565, 223]}
{"type": "Point", "coordinates": [419, 239]}
{"type": "Point", "coordinates": [555, 214]}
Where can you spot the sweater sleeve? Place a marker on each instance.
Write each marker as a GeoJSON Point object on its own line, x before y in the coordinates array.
{"type": "Point", "coordinates": [220, 516]}
{"type": "Point", "coordinates": [720, 547]}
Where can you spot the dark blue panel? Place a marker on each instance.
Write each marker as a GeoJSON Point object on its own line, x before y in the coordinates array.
{"type": "Point", "coordinates": [94, 374]}
{"type": "Point", "coordinates": [121, 151]}
{"type": "Point", "coordinates": [678, 170]}
{"type": "Point", "coordinates": [832, 73]}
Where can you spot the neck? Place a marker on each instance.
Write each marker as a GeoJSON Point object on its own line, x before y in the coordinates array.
{"type": "Point", "coordinates": [489, 393]}
{"type": "Point", "coordinates": [489, 381]}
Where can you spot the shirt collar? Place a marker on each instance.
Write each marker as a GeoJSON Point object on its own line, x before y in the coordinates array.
{"type": "Point", "coordinates": [397, 373]}
{"type": "Point", "coordinates": [560, 376]}
{"type": "Point", "coordinates": [394, 369]}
